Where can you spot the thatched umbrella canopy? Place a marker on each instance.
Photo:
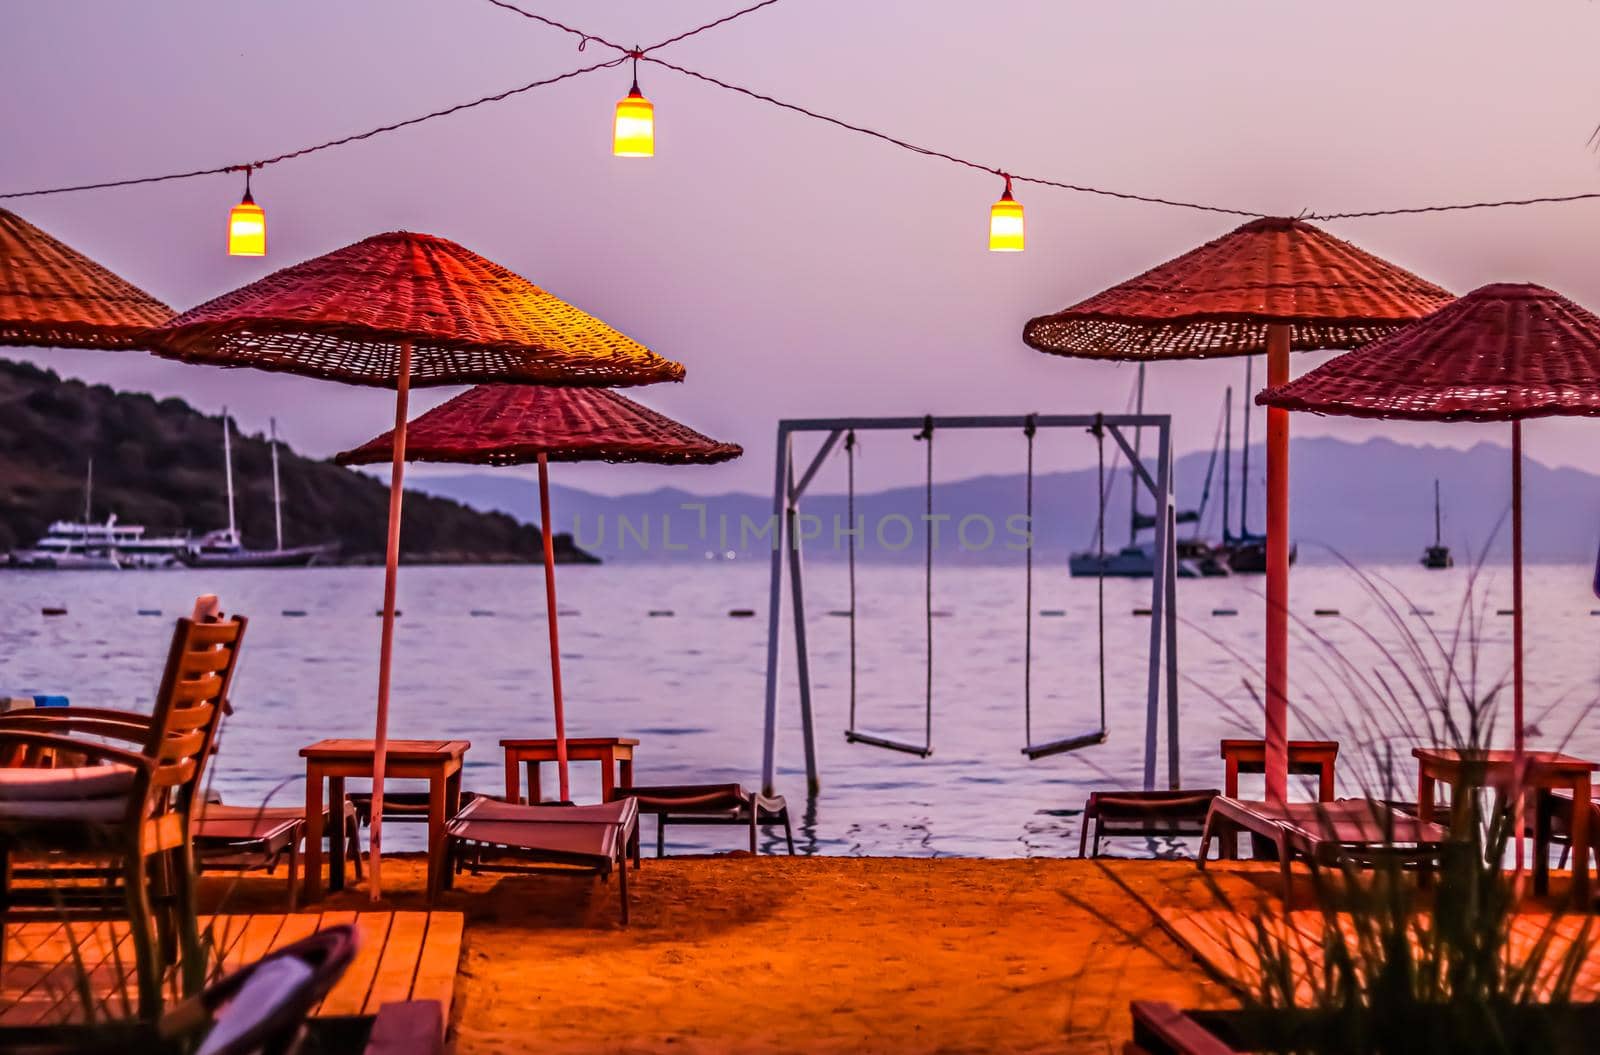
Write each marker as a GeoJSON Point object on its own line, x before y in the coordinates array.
{"type": "Point", "coordinates": [53, 296]}
{"type": "Point", "coordinates": [516, 424]}
{"type": "Point", "coordinates": [1271, 285]}
{"type": "Point", "coordinates": [398, 310]}
{"type": "Point", "coordinates": [1504, 352]}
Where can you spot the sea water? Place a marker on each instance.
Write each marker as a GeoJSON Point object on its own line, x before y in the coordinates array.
{"type": "Point", "coordinates": [472, 663]}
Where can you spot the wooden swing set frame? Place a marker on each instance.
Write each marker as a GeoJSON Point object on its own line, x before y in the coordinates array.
{"type": "Point", "coordinates": [789, 487]}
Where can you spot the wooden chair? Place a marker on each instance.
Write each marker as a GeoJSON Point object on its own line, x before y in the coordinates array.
{"type": "Point", "coordinates": [129, 807]}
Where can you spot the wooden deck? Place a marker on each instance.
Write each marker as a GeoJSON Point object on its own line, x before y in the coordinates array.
{"type": "Point", "coordinates": [1228, 943]}
{"type": "Point", "coordinates": [403, 956]}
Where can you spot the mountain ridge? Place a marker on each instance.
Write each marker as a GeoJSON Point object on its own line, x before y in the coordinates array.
{"type": "Point", "coordinates": [159, 463]}
{"type": "Point", "coordinates": [1370, 500]}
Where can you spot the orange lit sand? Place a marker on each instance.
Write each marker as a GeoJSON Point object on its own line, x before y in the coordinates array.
{"type": "Point", "coordinates": [778, 954]}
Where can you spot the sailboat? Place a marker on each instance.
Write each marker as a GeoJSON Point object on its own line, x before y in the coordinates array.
{"type": "Point", "coordinates": [224, 548]}
{"type": "Point", "coordinates": [1438, 554]}
{"type": "Point", "coordinates": [1136, 560]}
{"type": "Point", "coordinates": [1247, 552]}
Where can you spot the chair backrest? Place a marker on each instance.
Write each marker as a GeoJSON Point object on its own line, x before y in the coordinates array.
{"type": "Point", "coordinates": [189, 706]}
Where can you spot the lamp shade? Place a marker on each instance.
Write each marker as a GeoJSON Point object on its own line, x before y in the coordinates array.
{"type": "Point", "coordinates": [247, 229]}
{"type": "Point", "coordinates": [1005, 224]}
{"type": "Point", "coordinates": [633, 134]}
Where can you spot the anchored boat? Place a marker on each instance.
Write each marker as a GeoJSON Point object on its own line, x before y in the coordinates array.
{"type": "Point", "coordinates": [1438, 554]}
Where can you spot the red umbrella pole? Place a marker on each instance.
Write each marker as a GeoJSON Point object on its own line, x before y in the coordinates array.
{"type": "Point", "coordinates": [1277, 687]}
{"type": "Point", "coordinates": [1516, 634]}
{"type": "Point", "coordinates": [380, 740]}
{"type": "Point", "coordinates": [546, 532]}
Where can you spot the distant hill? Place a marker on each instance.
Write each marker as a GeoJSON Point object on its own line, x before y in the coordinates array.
{"type": "Point", "coordinates": [1370, 501]}
{"type": "Point", "coordinates": [159, 463]}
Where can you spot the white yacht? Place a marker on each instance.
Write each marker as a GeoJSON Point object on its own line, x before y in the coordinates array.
{"type": "Point", "coordinates": [90, 545]}
{"type": "Point", "coordinates": [101, 546]}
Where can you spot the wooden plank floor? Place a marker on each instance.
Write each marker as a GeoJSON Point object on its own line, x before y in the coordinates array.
{"type": "Point", "coordinates": [1228, 943]}
{"type": "Point", "coordinates": [52, 972]}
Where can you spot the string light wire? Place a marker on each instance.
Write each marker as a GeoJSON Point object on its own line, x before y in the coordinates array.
{"type": "Point", "coordinates": [637, 54]}
{"type": "Point", "coordinates": [330, 144]}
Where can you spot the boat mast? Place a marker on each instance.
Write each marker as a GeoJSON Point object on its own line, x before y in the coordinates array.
{"type": "Point", "coordinates": [1133, 474]}
{"type": "Point", "coordinates": [277, 496]}
{"type": "Point", "coordinates": [1437, 533]}
{"type": "Point", "coordinates": [1244, 457]}
{"type": "Point", "coordinates": [88, 496]}
{"type": "Point", "coordinates": [1227, 458]}
{"type": "Point", "coordinates": [227, 463]}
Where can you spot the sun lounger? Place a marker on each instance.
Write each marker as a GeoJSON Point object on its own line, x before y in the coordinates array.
{"type": "Point", "coordinates": [1360, 831]}
{"type": "Point", "coordinates": [488, 835]}
{"type": "Point", "coordinates": [1149, 813]}
{"type": "Point", "coordinates": [713, 804]}
{"type": "Point", "coordinates": [255, 838]}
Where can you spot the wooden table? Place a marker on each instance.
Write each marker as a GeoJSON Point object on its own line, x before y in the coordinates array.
{"type": "Point", "coordinates": [1545, 771]}
{"type": "Point", "coordinates": [614, 753]}
{"type": "Point", "coordinates": [1306, 758]}
{"type": "Point", "coordinates": [436, 761]}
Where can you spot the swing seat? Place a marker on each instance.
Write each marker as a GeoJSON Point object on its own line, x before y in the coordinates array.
{"type": "Point", "coordinates": [1061, 747]}
{"type": "Point", "coordinates": [854, 736]}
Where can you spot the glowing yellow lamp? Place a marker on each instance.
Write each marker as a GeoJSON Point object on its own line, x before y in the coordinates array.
{"type": "Point", "coordinates": [1005, 223]}
{"type": "Point", "coordinates": [247, 227]}
{"type": "Point", "coordinates": [634, 133]}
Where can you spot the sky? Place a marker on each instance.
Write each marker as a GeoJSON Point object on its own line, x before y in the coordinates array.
{"type": "Point", "coordinates": [796, 269]}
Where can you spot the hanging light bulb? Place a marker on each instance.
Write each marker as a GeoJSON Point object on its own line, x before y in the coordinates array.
{"type": "Point", "coordinates": [247, 226]}
{"type": "Point", "coordinates": [1005, 223]}
{"type": "Point", "coordinates": [633, 134]}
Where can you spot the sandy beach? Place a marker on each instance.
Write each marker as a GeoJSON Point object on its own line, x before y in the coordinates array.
{"type": "Point", "coordinates": [778, 954]}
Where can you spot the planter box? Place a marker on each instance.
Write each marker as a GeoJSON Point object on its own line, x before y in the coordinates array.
{"type": "Point", "coordinates": [1161, 1029]}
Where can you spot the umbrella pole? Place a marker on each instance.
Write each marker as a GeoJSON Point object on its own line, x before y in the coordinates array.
{"type": "Point", "coordinates": [1277, 680]}
{"type": "Point", "coordinates": [391, 564]}
{"type": "Point", "coordinates": [548, 537]}
{"type": "Point", "coordinates": [1516, 640]}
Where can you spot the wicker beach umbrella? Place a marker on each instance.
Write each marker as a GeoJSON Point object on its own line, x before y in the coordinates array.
{"type": "Point", "coordinates": [1271, 285]}
{"type": "Point", "coordinates": [53, 296]}
{"type": "Point", "coordinates": [516, 424]}
{"type": "Point", "coordinates": [1504, 352]}
{"type": "Point", "coordinates": [399, 310]}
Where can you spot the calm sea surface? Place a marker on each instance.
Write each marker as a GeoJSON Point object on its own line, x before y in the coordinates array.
{"type": "Point", "coordinates": [690, 685]}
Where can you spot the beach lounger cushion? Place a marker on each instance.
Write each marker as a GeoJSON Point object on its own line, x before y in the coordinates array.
{"type": "Point", "coordinates": [77, 782]}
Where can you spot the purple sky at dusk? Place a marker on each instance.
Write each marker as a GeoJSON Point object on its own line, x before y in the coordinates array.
{"type": "Point", "coordinates": [795, 269]}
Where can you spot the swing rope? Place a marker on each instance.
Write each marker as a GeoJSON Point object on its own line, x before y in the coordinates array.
{"type": "Point", "coordinates": [927, 579]}
{"type": "Point", "coordinates": [1100, 579]}
{"type": "Point", "coordinates": [850, 515]}
{"type": "Point", "coordinates": [852, 734]}
{"type": "Point", "coordinates": [1029, 428]}
{"type": "Point", "coordinates": [1098, 736]}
